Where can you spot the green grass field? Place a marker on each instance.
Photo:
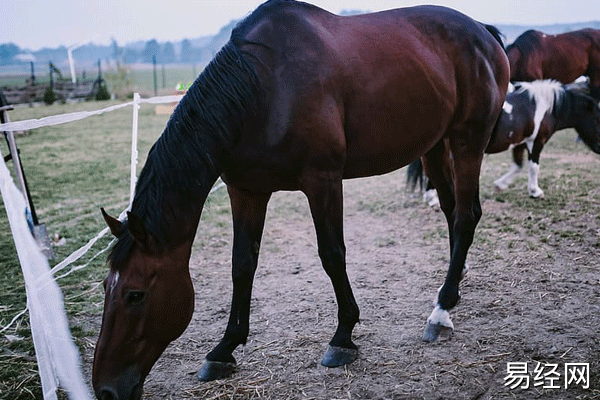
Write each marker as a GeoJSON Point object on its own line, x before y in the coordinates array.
{"type": "Point", "coordinates": [75, 169]}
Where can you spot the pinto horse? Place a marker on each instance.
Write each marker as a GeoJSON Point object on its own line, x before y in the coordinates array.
{"type": "Point", "coordinates": [531, 114]}
{"type": "Point", "coordinates": [565, 57]}
{"type": "Point", "coordinates": [298, 99]}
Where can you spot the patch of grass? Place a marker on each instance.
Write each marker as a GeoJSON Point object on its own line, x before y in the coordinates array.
{"type": "Point", "coordinates": [568, 176]}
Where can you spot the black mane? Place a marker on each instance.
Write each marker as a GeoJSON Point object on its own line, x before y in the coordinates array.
{"type": "Point", "coordinates": [186, 160]}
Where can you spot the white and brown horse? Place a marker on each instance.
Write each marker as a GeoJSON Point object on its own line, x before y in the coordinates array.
{"type": "Point", "coordinates": [532, 113]}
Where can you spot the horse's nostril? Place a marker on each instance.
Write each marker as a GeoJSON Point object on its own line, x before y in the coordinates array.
{"type": "Point", "coordinates": [108, 394]}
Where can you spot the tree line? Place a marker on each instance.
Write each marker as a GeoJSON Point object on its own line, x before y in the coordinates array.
{"type": "Point", "coordinates": [198, 50]}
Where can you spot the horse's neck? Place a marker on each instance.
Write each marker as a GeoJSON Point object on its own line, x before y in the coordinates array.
{"type": "Point", "coordinates": [174, 186]}
{"type": "Point", "coordinates": [205, 127]}
{"type": "Point", "coordinates": [186, 215]}
{"type": "Point", "coordinates": [183, 208]}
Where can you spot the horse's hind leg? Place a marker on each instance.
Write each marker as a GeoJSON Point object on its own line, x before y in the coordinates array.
{"type": "Point", "coordinates": [438, 167]}
{"type": "Point", "coordinates": [462, 212]}
{"type": "Point", "coordinates": [249, 212]}
{"type": "Point", "coordinates": [325, 200]}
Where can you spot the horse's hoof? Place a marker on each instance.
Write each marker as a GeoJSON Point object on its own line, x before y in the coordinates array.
{"type": "Point", "coordinates": [338, 356]}
{"type": "Point", "coordinates": [537, 194]}
{"type": "Point", "coordinates": [212, 370]}
{"type": "Point", "coordinates": [434, 332]}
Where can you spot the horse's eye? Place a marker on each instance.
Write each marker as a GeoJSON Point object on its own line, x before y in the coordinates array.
{"type": "Point", "coordinates": [136, 297]}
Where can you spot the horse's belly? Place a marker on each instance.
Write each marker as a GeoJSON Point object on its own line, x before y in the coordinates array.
{"type": "Point", "coordinates": [393, 124]}
{"type": "Point", "coordinates": [384, 142]}
{"type": "Point", "coordinates": [366, 164]}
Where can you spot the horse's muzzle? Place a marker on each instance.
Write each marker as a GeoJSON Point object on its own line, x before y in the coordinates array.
{"type": "Point", "coordinates": [128, 386]}
{"type": "Point", "coordinates": [111, 393]}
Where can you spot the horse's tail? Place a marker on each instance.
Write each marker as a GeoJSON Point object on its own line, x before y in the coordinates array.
{"type": "Point", "coordinates": [415, 175]}
{"type": "Point", "coordinates": [496, 34]}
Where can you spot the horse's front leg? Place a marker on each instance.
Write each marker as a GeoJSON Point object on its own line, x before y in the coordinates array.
{"type": "Point", "coordinates": [507, 179]}
{"type": "Point", "coordinates": [249, 210]}
{"type": "Point", "coordinates": [534, 170]}
{"type": "Point", "coordinates": [325, 200]}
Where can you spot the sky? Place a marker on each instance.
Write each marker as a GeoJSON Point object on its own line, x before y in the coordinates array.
{"type": "Point", "coordinates": [34, 24]}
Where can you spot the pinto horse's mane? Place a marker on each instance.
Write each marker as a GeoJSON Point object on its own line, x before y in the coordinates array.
{"type": "Point", "coordinates": [548, 91]}
{"type": "Point", "coordinates": [187, 158]}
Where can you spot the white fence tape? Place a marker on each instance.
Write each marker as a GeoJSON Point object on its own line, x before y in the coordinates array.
{"type": "Point", "coordinates": [162, 99]}
{"type": "Point", "coordinates": [57, 119]}
{"type": "Point", "coordinates": [58, 358]}
{"type": "Point", "coordinates": [76, 116]}
{"type": "Point", "coordinates": [12, 321]}
{"type": "Point", "coordinates": [134, 150]}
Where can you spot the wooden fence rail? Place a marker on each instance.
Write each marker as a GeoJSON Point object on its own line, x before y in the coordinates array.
{"type": "Point", "coordinates": [33, 93]}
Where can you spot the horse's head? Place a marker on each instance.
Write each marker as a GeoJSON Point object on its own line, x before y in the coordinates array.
{"type": "Point", "coordinates": [149, 301]}
{"type": "Point", "coordinates": [587, 119]}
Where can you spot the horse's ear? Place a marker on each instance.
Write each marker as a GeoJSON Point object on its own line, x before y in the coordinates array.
{"type": "Point", "coordinates": [138, 231]}
{"type": "Point", "coordinates": [115, 226]}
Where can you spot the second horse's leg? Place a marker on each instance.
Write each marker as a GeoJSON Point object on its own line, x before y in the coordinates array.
{"type": "Point", "coordinates": [507, 179]}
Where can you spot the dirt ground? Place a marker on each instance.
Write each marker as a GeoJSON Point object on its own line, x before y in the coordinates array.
{"type": "Point", "coordinates": [527, 298]}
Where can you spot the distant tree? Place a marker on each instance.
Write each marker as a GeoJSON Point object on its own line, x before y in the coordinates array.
{"type": "Point", "coordinates": [117, 52]}
{"type": "Point", "coordinates": [130, 56]}
{"type": "Point", "coordinates": [168, 53]}
{"type": "Point", "coordinates": [186, 47]}
{"type": "Point", "coordinates": [102, 93]}
{"type": "Point", "coordinates": [189, 53]}
{"type": "Point", "coordinates": [151, 49]}
{"type": "Point", "coordinates": [49, 96]}
{"type": "Point", "coordinates": [7, 52]}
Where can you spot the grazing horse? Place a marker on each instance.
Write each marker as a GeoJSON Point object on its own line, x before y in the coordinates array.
{"type": "Point", "coordinates": [530, 116]}
{"type": "Point", "coordinates": [565, 57]}
{"type": "Point", "coordinates": [298, 99]}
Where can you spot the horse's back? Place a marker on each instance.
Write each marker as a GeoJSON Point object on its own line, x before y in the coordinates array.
{"type": "Point", "coordinates": [564, 57]}
{"type": "Point", "coordinates": [371, 92]}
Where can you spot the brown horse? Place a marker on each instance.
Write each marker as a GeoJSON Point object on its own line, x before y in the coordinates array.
{"type": "Point", "coordinates": [535, 55]}
{"type": "Point", "coordinates": [298, 99]}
